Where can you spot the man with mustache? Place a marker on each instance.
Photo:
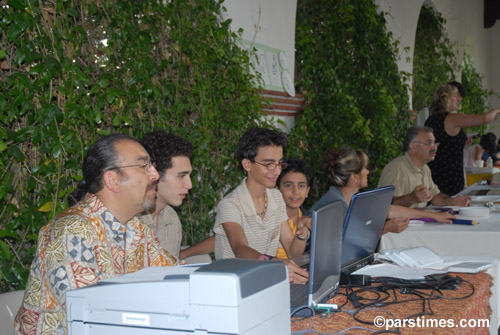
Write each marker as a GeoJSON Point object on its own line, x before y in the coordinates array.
{"type": "Point", "coordinates": [99, 237]}
{"type": "Point", "coordinates": [171, 155]}
{"type": "Point", "coordinates": [411, 176]}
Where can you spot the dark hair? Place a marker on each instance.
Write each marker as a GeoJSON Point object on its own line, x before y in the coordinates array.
{"type": "Point", "coordinates": [255, 138]}
{"type": "Point", "coordinates": [459, 86]}
{"type": "Point", "coordinates": [163, 146]}
{"type": "Point", "coordinates": [295, 165]}
{"type": "Point", "coordinates": [488, 143]}
{"type": "Point", "coordinates": [101, 156]}
{"type": "Point", "coordinates": [340, 163]}
{"type": "Point", "coordinates": [412, 133]}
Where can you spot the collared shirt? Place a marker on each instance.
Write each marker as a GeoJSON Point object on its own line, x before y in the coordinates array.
{"type": "Point", "coordinates": [81, 246]}
{"type": "Point", "coordinates": [262, 234]}
{"type": "Point", "coordinates": [168, 230]}
{"type": "Point", "coordinates": [405, 176]}
{"type": "Point", "coordinates": [334, 194]}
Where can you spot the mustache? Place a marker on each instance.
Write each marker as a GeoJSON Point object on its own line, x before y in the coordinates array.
{"type": "Point", "coordinates": [152, 186]}
{"type": "Point", "coordinates": [432, 151]}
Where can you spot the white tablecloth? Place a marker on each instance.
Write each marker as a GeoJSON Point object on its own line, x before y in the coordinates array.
{"type": "Point", "coordinates": [482, 240]}
{"type": "Point", "coordinates": [451, 239]}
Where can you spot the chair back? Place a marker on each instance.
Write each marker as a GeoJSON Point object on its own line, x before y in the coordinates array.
{"type": "Point", "coordinates": [9, 305]}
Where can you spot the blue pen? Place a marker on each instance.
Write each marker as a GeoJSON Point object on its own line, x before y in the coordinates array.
{"type": "Point", "coordinates": [466, 222]}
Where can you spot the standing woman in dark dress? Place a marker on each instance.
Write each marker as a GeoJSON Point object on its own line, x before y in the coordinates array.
{"type": "Point", "coordinates": [447, 168]}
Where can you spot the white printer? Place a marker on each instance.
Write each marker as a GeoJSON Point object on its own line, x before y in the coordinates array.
{"type": "Point", "coordinates": [231, 296]}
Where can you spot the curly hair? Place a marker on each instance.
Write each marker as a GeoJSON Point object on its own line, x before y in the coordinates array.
{"type": "Point", "coordinates": [163, 146]}
{"type": "Point", "coordinates": [295, 165]}
{"type": "Point", "coordinates": [255, 138]}
{"type": "Point", "coordinates": [340, 163]}
{"type": "Point", "coordinates": [441, 99]}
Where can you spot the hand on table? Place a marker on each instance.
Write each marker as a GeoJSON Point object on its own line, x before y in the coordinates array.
{"type": "Point", "coordinates": [462, 200]}
{"type": "Point", "coordinates": [444, 217]}
{"type": "Point", "coordinates": [396, 225]}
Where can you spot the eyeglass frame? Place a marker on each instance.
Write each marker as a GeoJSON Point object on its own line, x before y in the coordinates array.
{"type": "Point", "coordinates": [281, 164]}
{"type": "Point", "coordinates": [428, 144]}
{"type": "Point", "coordinates": [146, 166]}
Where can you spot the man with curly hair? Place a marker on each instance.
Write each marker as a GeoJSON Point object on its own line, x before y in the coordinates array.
{"type": "Point", "coordinates": [171, 155]}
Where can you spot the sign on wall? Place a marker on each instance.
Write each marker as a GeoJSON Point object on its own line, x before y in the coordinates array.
{"type": "Point", "coordinates": [272, 65]}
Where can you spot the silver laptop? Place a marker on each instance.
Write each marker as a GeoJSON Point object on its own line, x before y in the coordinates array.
{"type": "Point", "coordinates": [324, 264]}
{"type": "Point", "coordinates": [364, 223]}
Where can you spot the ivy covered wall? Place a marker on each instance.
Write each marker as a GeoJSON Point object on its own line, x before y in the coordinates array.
{"type": "Point", "coordinates": [345, 65]}
{"type": "Point", "coordinates": [72, 71]}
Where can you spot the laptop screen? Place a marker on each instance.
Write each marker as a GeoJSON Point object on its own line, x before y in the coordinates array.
{"type": "Point", "coordinates": [363, 225]}
{"type": "Point", "coordinates": [326, 241]}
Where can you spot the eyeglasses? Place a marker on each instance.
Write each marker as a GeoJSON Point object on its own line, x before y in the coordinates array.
{"type": "Point", "coordinates": [272, 165]}
{"type": "Point", "coordinates": [429, 144]}
{"type": "Point", "coordinates": [146, 166]}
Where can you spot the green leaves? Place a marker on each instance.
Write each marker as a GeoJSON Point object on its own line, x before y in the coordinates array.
{"type": "Point", "coordinates": [345, 64]}
{"type": "Point", "coordinates": [80, 70]}
{"type": "Point", "coordinates": [434, 57]}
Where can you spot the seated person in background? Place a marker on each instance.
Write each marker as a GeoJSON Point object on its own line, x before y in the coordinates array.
{"type": "Point", "coordinates": [252, 220]}
{"type": "Point", "coordinates": [293, 184]}
{"type": "Point", "coordinates": [487, 142]}
{"type": "Point", "coordinates": [486, 148]}
{"type": "Point", "coordinates": [171, 155]}
{"type": "Point", "coordinates": [347, 173]}
{"type": "Point", "coordinates": [472, 153]}
{"type": "Point", "coordinates": [99, 237]}
{"type": "Point", "coordinates": [411, 176]}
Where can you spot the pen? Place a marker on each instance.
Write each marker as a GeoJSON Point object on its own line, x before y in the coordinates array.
{"type": "Point", "coordinates": [466, 222]}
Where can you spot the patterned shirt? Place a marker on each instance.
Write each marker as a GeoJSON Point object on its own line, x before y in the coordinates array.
{"type": "Point", "coordinates": [81, 246]}
{"type": "Point", "coordinates": [262, 234]}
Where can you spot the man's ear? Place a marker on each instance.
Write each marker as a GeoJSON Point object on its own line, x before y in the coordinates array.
{"type": "Point", "coordinates": [307, 191]}
{"type": "Point", "coordinates": [111, 181]}
{"type": "Point", "coordinates": [411, 146]}
{"type": "Point", "coordinates": [246, 163]}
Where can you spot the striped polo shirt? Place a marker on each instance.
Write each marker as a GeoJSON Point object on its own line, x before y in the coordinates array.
{"type": "Point", "coordinates": [262, 234]}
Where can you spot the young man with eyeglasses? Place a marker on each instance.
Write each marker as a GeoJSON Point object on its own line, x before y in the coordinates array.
{"type": "Point", "coordinates": [252, 220]}
{"type": "Point", "coordinates": [98, 237]}
{"type": "Point", "coordinates": [411, 176]}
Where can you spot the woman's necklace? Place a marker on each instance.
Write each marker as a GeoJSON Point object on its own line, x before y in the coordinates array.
{"type": "Point", "coordinates": [261, 214]}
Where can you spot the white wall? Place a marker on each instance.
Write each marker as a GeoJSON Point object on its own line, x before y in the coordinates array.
{"type": "Point", "coordinates": [272, 23]}
{"type": "Point", "coordinates": [464, 25]}
{"type": "Point", "coordinates": [267, 22]}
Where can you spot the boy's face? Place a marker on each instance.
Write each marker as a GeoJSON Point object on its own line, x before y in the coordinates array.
{"type": "Point", "coordinates": [294, 188]}
{"type": "Point", "coordinates": [259, 173]}
{"type": "Point", "coordinates": [175, 184]}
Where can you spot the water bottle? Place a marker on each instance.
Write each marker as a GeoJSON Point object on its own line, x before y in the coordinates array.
{"type": "Point", "coordinates": [489, 162]}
